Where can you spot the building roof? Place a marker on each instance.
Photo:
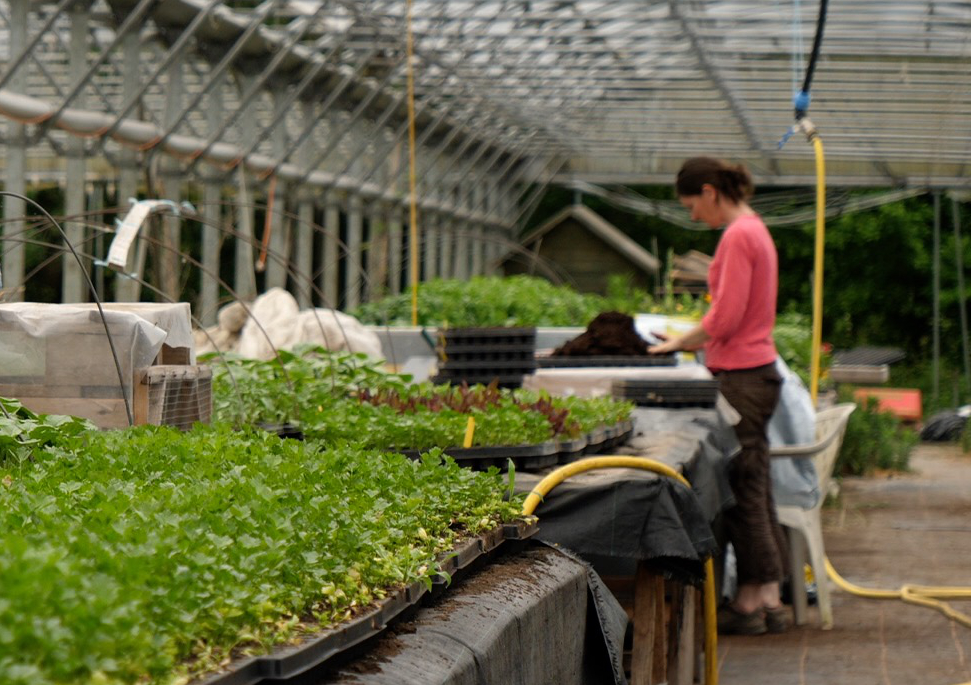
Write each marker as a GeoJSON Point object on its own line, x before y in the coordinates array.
{"type": "Point", "coordinates": [604, 230]}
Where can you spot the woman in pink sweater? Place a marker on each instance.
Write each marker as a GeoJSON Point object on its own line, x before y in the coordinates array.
{"type": "Point", "coordinates": [736, 335]}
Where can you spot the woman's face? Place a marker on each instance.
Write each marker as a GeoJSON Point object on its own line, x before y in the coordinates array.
{"type": "Point", "coordinates": [705, 206]}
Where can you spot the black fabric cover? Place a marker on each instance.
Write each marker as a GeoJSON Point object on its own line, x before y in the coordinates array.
{"type": "Point", "coordinates": [637, 514]}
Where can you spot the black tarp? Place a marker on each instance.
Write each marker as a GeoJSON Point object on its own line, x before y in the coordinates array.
{"type": "Point", "coordinates": [639, 515]}
{"type": "Point", "coordinates": [542, 616]}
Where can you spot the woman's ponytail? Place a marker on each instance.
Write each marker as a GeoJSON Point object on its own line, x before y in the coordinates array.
{"type": "Point", "coordinates": [731, 180]}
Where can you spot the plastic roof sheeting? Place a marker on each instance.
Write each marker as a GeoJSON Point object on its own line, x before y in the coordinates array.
{"type": "Point", "coordinates": [604, 91]}
{"type": "Point", "coordinates": [633, 87]}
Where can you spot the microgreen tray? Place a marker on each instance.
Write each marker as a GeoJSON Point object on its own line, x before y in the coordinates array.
{"type": "Point", "coordinates": [303, 659]}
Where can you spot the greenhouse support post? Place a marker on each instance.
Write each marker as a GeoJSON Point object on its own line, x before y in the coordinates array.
{"type": "Point", "coordinates": [959, 263]}
{"type": "Point", "coordinates": [72, 279]}
{"type": "Point", "coordinates": [936, 333]}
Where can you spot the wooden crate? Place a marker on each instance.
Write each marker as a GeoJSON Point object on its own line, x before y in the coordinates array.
{"type": "Point", "coordinates": [69, 368]}
{"type": "Point", "coordinates": [174, 395]}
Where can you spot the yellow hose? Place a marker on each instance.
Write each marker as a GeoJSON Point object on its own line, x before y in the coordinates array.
{"type": "Point", "coordinates": [561, 474]}
{"type": "Point", "coordinates": [921, 595]}
{"type": "Point", "coordinates": [817, 335]}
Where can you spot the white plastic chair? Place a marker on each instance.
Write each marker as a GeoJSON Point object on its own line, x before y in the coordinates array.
{"type": "Point", "coordinates": [805, 525]}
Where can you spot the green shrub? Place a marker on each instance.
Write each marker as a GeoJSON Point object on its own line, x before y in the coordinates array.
{"type": "Point", "coordinates": [874, 439]}
{"type": "Point", "coordinates": [793, 336]}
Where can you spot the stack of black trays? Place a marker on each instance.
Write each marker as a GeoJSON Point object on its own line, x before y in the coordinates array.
{"type": "Point", "coordinates": [667, 393]}
{"type": "Point", "coordinates": [484, 355]}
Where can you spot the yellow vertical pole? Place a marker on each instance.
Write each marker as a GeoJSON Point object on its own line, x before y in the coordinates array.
{"type": "Point", "coordinates": [817, 335]}
{"type": "Point", "coordinates": [413, 229]}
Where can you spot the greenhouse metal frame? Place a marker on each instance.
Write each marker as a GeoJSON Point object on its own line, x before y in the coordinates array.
{"type": "Point", "coordinates": [296, 113]}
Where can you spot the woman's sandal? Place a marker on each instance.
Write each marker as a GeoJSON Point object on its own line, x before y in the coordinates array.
{"type": "Point", "coordinates": [731, 621]}
{"type": "Point", "coordinates": [778, 619]}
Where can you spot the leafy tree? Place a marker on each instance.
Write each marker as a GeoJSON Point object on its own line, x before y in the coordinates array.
{"type": "Point", "coordinates": [878, 268]}
{"type": "Point", "coordinates": [877, 275]}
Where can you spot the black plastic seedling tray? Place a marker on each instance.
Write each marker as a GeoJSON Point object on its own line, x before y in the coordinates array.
{"type": "Point", "coordinates": [296, 662]}
{"type": "Point", "coordinates": [483, 366]}
{"type": "Point", "coordinates": [617, 434]}
{"type": "Point", "coordinates": [484, 351]}
{"type": "Point", "coordinates": [608, 437]}
{"type": "Point", "coordinates": [525, 457]}
{"type": "Point", "coordinates": [605, 360]}
{"type": "Point", "coordinates": [284, 430]}
{"type": "Point", "coordinates": [595, 440]}
{"type": "Point", "coordinates": [571, 450]}
{"type": "Point", "coordinates": [504, 380]}
{"type": "Point", "coordinates": [681, 393]}
{"type": "Point", "coordinates": [493, 335]}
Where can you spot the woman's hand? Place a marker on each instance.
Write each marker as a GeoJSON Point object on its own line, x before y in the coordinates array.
{"type": "Point", "coordinates": [692, 340]}
{"type": "Point", "coordinates": [665, 347]}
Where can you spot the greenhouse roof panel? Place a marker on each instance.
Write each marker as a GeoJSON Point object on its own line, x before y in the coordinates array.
{"type": "Point", "coordinates": [603, 90]}
{"type": "Point", "coordinates": [663, 80]}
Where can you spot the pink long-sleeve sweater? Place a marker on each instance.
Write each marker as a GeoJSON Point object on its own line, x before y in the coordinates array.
{"type": "Point", "coordinates": [743, 280]}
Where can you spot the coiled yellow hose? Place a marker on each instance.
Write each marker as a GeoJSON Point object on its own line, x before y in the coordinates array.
{"type": "Point", "coordinates": [561, 474]}
{"type": "Point", "coordinates": [922, 595]}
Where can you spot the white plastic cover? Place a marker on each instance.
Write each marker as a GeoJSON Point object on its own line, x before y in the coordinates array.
{"type": "Point", "coordinates": [52, 351]}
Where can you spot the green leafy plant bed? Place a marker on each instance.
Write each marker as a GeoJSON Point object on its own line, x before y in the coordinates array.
{"type": "Point", "coordinates": [283, 430]}
{"type": "Point", "coordinates": [518, 301]}
{"type": "Point", "coordinates": [486, 302]}
{"type": "Point", "coordinates": [338, 399]}
{"type": "Point", "coordinates": [297, 384]}
{"type": "Point", "coordinates": [301, 659]}
{"type": "Point", "coordinates": [154, 556]}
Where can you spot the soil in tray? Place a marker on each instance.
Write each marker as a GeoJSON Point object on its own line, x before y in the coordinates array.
{"type": "Point", "coordinates": [610, 333]}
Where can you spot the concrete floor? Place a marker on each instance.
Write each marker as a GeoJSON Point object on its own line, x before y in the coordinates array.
{"type": "Point", "coordinates": [885, 531]}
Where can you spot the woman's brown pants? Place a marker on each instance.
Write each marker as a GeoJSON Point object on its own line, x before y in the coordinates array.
{"type": "Point", "coordinates": [751, 525]}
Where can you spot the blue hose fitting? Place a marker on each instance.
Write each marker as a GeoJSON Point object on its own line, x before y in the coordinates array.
{"type": "Point", "coordinates": [801, 102]}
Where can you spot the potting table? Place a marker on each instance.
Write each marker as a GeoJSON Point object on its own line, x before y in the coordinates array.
{"type": "Point", "coordinates": [648, 534]}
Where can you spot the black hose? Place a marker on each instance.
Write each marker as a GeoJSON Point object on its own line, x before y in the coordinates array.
{"type": "Point", "coordinates": [803, 104]}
